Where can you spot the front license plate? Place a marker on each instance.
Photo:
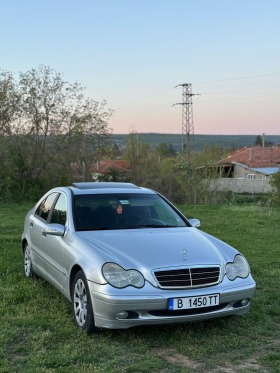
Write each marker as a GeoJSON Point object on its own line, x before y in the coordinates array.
{"type": "Point", "coordinates": [193, 302]}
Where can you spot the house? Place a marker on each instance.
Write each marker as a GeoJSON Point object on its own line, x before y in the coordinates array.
{"type": "Point", "coordinates": [248, 170]}
{"type": "Point", "coordinates": [110, 169]}
{"type": "Point", "coordinates": [254, 162]}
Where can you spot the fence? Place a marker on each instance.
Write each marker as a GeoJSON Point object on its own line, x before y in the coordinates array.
{"type": "Point", "coordinates": [240, 185]}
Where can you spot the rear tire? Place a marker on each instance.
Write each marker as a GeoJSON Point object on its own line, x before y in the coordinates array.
{"type": "Point", "coordinates": [28, 271]}
{"type": "Point", "coordinates": [81, 304]}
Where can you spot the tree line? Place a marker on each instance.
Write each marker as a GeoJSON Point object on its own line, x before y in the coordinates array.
{"type": "Point", "coordinates": [51, 134]}
{"type": "Point", "coordinates": [180, 179]}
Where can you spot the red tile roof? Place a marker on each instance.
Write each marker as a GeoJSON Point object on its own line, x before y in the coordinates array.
{"type": "Point", "coordinates": [106, 167]}
{"type": "Point", "coordinates": [255, 157]}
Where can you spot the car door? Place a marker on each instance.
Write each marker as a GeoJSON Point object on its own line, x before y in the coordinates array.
{"type": "Point", "coordinates": [53, 247]}
{"type": "Point", "coordinates": [37, 225]}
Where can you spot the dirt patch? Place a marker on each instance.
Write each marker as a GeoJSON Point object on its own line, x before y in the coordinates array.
{"type": "Point", "coordinates": [171, 356]}
{"type": "Point", "coordinates": [244, 367]}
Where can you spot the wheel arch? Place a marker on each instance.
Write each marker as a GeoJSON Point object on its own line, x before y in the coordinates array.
{"type": "Point", "coordinates": [23, 244]}
{"type": "Point", "coordinates": [75, 269]}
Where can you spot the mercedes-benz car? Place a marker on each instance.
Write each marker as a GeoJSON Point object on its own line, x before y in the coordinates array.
{"type": "Point", "coordinates": [126, 256]}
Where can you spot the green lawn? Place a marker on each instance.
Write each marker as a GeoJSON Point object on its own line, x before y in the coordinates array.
{"type": "Point", "coordinates": [37, 333]}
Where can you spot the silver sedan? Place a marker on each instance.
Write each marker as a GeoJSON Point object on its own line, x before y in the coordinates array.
{"type": "Point", "coordinates": [125, 256]}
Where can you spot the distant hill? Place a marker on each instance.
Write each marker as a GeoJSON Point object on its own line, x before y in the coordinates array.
{"type": "Point", "coordinates": [199, 141]}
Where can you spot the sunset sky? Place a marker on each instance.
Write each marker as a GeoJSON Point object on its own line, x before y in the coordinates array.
{"type": "Point", "coordinates": [133, 53]}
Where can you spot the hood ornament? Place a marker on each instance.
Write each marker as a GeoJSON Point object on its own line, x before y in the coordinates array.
{"type": "Point", "coordinates": [184, 254]}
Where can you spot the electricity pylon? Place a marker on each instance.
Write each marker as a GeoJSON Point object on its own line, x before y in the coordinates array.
{"type": "Point", "coordinates": [187, 118]}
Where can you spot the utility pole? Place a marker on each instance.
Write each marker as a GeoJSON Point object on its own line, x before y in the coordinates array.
{"type": "Point", "coordinates": [187, 118]}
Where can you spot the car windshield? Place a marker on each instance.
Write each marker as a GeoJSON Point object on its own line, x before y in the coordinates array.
{"type": "Point", "coordinates": [124, 211]}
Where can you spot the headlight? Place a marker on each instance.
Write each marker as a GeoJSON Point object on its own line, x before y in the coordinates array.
{"type": "Point", "coordinates": [239, 268]}
{"type": "Point", "coordinates": [120, 278]}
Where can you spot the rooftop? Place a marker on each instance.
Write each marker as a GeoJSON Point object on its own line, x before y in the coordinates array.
{"type": "Point", "coordinates": [255, 157]}
{"type": "Point", "coordinates": [106, 167]}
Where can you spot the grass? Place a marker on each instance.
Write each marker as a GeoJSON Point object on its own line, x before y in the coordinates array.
{"type": "Point", "coordinates": [37, 333]}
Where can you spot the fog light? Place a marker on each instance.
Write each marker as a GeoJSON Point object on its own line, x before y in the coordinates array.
{"type": "Point", "coordinates": [122, 315]}
{"type": "Point", "coordinates": [244, 302]}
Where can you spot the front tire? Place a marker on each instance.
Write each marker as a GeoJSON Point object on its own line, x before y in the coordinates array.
{"type": "Point", "coordinates": [81, 304]}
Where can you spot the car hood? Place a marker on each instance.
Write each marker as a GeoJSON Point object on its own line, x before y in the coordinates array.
{"type": "Point", "coordinates": [146, 249]}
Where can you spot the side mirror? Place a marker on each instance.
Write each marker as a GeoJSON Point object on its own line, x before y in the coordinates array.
{"type": "Point", "coordinates": [195, 222]}
{"type": "Point", "coordinates": [55, 230]}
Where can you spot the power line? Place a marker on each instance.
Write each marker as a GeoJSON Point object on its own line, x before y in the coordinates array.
{"type": "Point", "coordinates": [238, 78]}
{"type": "Point", "coordinates": [206, 82]}
{"type": "Point", "coordinates": [188, 129]}
{"type": "Point", "coordinates": [238, 98]}
{"type": "Point", "coordinates": [240, 90]}
{"type": "Point", "coordinates": [145, 99]}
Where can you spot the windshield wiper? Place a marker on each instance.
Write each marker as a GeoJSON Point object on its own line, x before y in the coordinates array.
{"type": "Point", "coordinates": [150, 226]}
{"type": "Point", "coordinates": [93, 229]}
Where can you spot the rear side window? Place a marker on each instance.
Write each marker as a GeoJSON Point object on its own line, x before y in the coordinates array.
{"type": "Point", "coordinates": [44, 208]}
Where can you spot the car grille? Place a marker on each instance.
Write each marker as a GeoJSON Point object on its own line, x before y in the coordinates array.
{"type": "Point", "coordinates": [188, 277]}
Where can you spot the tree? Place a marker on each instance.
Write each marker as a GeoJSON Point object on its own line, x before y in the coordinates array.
{"type": "Point", "coordinates": [144, 162]}
{"type": "Point", "coordinates": [275, 183]}
{"type": "Point", "coordinates": [166, 150]}
{"type": "Point", "coordinates": [49, 127]}
{"type": "Point", "coordinates": [208, 156]}
{"type": "Point", "coordinates": [173, 177]}
{"type": "Point", "coordinates": [170, 183]}
{"type": "Point", "coordinates": [260, 141]}
{"type": "Point", "coordinates": [193, 186]}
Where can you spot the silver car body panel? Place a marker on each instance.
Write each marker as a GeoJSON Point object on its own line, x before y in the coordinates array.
{"type": "Point", "coordinates": [146, 250]}
{"type": "Point", "coordinates": [107, 306]}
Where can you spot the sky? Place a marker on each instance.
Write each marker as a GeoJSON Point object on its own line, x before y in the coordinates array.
{"type": "Point", "coordinates": [135, 54]}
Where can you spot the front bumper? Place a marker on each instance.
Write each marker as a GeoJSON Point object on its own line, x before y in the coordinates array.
{"type": "Point", "coordinates": [150, 306]}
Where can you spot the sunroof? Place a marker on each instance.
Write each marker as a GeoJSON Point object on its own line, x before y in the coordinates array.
{"type": "Point", "coordinates": [102, 185]}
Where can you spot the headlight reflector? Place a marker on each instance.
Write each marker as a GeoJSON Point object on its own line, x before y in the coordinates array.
{"type": "Point", "coordinates": [120, 278]}
{"type": "Point", "coordinates": [239, 268]}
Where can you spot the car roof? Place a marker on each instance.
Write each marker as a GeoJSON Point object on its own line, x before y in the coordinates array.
{"type": "Point", "coordinates": [107, 187]}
